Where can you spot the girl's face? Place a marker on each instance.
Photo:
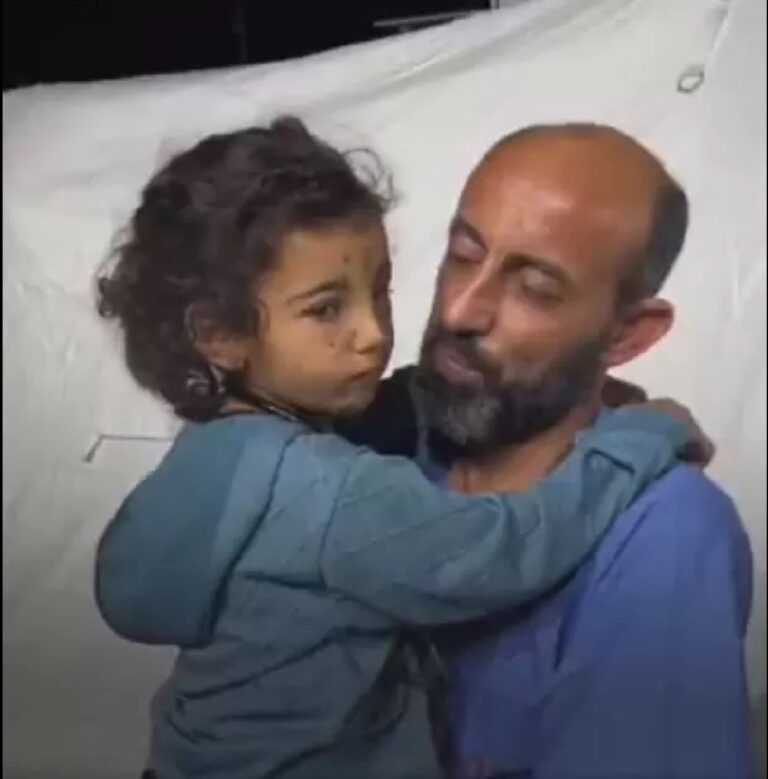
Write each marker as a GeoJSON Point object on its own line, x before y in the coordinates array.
{"type": "Point", "coordinates": [325, 325]}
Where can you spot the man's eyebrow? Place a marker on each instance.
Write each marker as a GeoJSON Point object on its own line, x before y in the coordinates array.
{"type": "Point", "coordinates": [461, 225]}
{"type": "Point", "coordinates": [516, 260]}
{"type": "Point", "coordinates": [333, 285]}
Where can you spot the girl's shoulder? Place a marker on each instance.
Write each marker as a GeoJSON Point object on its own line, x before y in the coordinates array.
{"type": "Point", "coordinates": [187, 523]}
{"type": "Point", "coordinates": [234, 430]}
{"type": "Point", "coordinates": [293, 450]}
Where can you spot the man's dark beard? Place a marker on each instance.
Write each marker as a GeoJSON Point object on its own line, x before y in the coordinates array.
{"type": "Point", "coordinates": [470, 420]}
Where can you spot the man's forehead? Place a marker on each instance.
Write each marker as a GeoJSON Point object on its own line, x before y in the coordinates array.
{"type": "Point", "coordinates": [600, 185]}
{"type": "Point", "coordinates": [572, 144]}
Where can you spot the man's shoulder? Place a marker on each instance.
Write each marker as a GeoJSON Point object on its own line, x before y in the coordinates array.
{"type": "Point", "coordinates": [695, 496]}
{"type": "Point", "coordinates": [684, 510]}
{"type": "Point", "coordinates": [681, 543]}
{"type": "Point", "coordinates": [687, 484]}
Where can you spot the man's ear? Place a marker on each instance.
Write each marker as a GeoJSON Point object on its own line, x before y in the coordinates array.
{"type": "Point", "coordinates": [640, 328]}
{"type": "Point", "coordinates": [214, 343]}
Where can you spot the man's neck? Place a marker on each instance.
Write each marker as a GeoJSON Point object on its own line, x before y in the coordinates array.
{"type": "Point", "coordinates": [518, 466]}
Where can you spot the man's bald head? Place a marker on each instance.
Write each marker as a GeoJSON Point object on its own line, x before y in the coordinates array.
{"type": "Point", "coordinates": [600, 150]}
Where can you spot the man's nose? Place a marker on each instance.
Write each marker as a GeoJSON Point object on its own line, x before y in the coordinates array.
{"type": "Point", "coordinates": [473, 306]}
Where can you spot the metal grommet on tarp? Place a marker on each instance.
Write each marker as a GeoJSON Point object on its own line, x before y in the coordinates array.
{"type": "Point", "coordinates": [690, 79]}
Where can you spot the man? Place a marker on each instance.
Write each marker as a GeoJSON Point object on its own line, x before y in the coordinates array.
{"type": "Point", "coordinates": [633, 668]}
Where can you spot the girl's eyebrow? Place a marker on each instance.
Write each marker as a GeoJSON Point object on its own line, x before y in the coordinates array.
{"type": "Point", "coordinates": [334, 285]}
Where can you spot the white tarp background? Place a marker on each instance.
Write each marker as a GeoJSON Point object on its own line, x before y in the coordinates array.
{"type": "Point", "coordinates": [74, 157]}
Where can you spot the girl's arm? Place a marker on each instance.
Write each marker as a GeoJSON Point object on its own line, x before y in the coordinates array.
{"type": "Point", "coordinates": [426, 555]}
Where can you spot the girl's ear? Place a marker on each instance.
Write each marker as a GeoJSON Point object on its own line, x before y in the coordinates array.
{"type": "Point", "coordinates": [219, 347]}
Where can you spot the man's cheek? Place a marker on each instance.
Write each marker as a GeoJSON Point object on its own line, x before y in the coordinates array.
{"type": "Point", "coordinates": [526, 362]}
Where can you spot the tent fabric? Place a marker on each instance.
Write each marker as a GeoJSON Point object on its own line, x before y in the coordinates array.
{"type": "Point", "coordinates": [75, 157]}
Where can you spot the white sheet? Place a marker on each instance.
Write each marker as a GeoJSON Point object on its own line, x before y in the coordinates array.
{"type": "Point", "coordinates": [75, 157]}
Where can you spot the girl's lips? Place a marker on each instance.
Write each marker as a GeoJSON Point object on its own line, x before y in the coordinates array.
{"type": "Point", "coordinates": [371, 373]}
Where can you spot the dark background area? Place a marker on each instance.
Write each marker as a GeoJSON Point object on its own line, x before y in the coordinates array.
{"type": "Point", "coordinates": [82, 40]}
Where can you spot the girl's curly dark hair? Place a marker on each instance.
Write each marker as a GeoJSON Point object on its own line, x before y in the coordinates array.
{"type": "Point", "coordinates": [209, 224]}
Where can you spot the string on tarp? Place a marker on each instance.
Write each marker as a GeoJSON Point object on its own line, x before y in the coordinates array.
{"type": "Point", "coordinates": [694, 75]}
{"type": "Point", "coordinates": [90, 455]}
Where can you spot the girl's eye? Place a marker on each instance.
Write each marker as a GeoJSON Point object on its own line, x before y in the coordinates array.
{"type": "Point", "coordinates": [328, 311]}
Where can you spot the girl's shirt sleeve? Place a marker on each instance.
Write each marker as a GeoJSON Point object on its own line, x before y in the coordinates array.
{"type": "Point", "coordinates": [425, 555]}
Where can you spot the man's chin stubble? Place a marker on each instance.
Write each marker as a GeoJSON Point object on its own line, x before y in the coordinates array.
{"type": "Point", "coordinates": [463, 423]}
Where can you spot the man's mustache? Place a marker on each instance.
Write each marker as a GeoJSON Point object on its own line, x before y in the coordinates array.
{"type": "Point", "coordinates": [466, 347]}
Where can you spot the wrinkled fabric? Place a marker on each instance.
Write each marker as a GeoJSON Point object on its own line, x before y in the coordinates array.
{"type": "Point", "coordinates": [76, 156]}
{"type": "Point", "coordinates": [285, 565]}
{"type": "Point", "coordinates": [635, 669]}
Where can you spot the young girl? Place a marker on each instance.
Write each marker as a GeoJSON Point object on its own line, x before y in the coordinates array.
{"type": "Point", "coordinates": [285, 563]}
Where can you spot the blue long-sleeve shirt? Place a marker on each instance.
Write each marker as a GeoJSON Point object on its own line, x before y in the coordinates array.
{"type": "Point", "coordinates": [285, 563]}
{"type": "Point", "coordinates": [634, 669]}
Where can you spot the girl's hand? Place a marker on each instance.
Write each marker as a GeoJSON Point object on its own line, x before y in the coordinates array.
{"type": "Point", "coordinates": [621, 393]}
{"type": "Point", "coordinates": [700, 449]}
